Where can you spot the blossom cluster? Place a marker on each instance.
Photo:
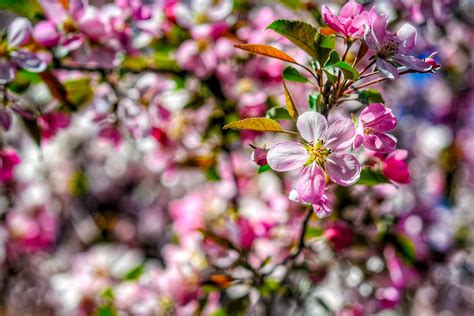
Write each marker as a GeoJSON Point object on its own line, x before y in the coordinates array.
{"type": "Point", "coordinates": [229, 157]}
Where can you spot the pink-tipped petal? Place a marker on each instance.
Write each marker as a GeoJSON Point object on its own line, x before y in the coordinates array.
{"type": "Point", "coordinates": [19, 32]}
{"type": "Point", "coordinates": [379, 117]}
{"type": "Point", "coordinates": [310, 184]}
{"type": "Point", "coordinates": [343, 169]}
{"type": "Point", "coordinates": [407, 34]}
{"type": "Point", "coordinates": [387, 69]}
{"type": "Point", "coordinates": [287, 156]}
{"type": "Point", "coordinates": [7, 71]}
{"type": "Point", "coordinates": [324, 207]}
{"type": "Point", "coordinates": [28, 61]}
{"type": "Point", "coordinates": [412, 62]}
{"type": "Point", "coordinates": [331, 20]}
{"type": "Point", "coordinates": [380, 142]}
{"type": "Point", "coordinates": [312, 126]}
{"type": "Point", "coordinates": [340, 135]}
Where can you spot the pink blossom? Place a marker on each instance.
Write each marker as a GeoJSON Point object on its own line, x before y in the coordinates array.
{"type": "Point", "coordinates": [8, 160]}
{"type": "Point", "coordinates": [322, 152]}
{"type": "Point", "coordinates": [13, 56]}
{"type": "Point", "coordinates": [351, 21]}
{"type": "Point", "coordinates": [374, 121]}
{"type": "Point", "coordinates": [395, 168]}
{"type": "Point", "coordinates": [392, 48]}
{"type": "Point", "coordinates": [51, 123]}
{"type": "Point", "coordinates": [198, 57]}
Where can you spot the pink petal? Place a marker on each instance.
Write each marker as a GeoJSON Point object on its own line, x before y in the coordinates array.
{"type": "Point", "coordinates": [380, 142]}
{"type": "Point", "coordinates": [387, 69]}
{"type": "Point", "coordinates": [407, 34]}
{"type": "Point", "coordinates": [412, 62]}
{"type": "Point", "coordinates": [343, 169]}
{"type": "Point", "coordinates": [287, 156]}
{"type": "Point", "coordinates": [379, 28]}
{"type": "Point", "coordinates": [19, 32]}
{"type": "Point", "coordinates": [46, 33]}
{"type": "Point", "coordinates": [7, 71]}
{"type": "Point", "coordinates": [28, 61]}
{"type": "Point", "coordinates": [351, 9]}
{"type": "Point", "coordinates": [378, 117]}
{"type": "Point", "coordinates": [331, 20]}
{"type": "Point", "coordinates": [312, 126]}
{"type": "Point", "coordinates": [54, 10]}
{"type": "Point", "coordinates": [340, 135]}
{"type": "Point", "coordinates": [310, 184]}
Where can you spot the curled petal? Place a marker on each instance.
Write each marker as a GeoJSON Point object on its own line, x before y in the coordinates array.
{"type": "Point", "coordinates": [310, 184]}
{"type": "Point", "coordinates": [343, 169]}
{"type": "Point", "coordinates": [407, 34]}
{"type": "Point", "coordinates": [340, 135]}
{"type": "Point", "coordinates": [379, 117]}
{"type": "Point", "coordinates": [387, 69]}
{"type": "Point", "coordinates": [380, 142]}
{"type": "Point", "coordinates": [19, 32]}
{"type": "Point", "coordinates": [312, 126]}
{"type": "Point", "coordinates": [28, 61]}
{"type": "Point", "coordinates": [287, 156]}
{"type": "Point", "coordinates": [331, 20]}
{"type": "Point", "coordinates": [7, 71]}
{"type": "Point", "coordinates": [324, 207]}
{"type": "Point", "coordinates": [412, 62]}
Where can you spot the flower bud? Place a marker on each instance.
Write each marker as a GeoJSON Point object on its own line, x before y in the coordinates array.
{"type": "Point", "coordinates": [339, 235]}
{"type": "Point", "coordinates": [259, 156]}
{"type": "Point", "coordinates": [46, 34]}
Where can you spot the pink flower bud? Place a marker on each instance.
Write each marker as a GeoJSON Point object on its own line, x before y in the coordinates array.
{"type": "Point", "coordinates": [395, 168]}
{"type": "Point", "coordinates": [8, 160]}
{"type": "Point", "coordinates": [339, 235]}
{"type": "Point", "coordinates": [259, 156]}
{"type": "Point", "coordinates": [432, 62]}
{"type": "Point", "coordinates": [46, 34]}
{"type": "Point", "coordinates": [51, 123]}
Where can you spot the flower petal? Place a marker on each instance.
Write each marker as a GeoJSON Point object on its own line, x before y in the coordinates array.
{"type": "Point", "coordinates": [331, 20]}
{"type": "Point", "coordinates": [343, 169]}
{"type": "Point", "coordinates": [412, 62]}
{"type": "Point", "coordinates": [351, 9]}
{"type": "Point", "coordinates": [324, 207]}
{"type": "Point", "coordinates": [379, 117]}
{"type": "Point", "coordinates": [407, 35]}
{"type": "Point", "coordinates": [19, 31]}
{"type": "Point", "coordinates": [380, 142]}
{"type": "Point", "coordinates": [287, 156]}
{"type": "Point", "coordinates": [312, 126]}
{"type": "Point", "coordinates": [310, 184]}
{"type": "Point", "coordinates": [387, 69]}
{"type": "Point", "coordinates": [340, 135]}
{"type": "Point", "coordinates": [28, 61]}
{"type": "Point", "coordinates": [7, 71]}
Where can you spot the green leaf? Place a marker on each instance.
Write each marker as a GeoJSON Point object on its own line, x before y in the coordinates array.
{"type": "Point", "coordinates": [299, 33]}
{"type": "Point", "coordinates": [290, 103]}
{"type": "Point", "coordinates": [264, 168]}
{"type": "Point", "coordinates": [27, 8]}
{"type": "Point", "coordinates": [278, 113]}
{"type": "Point", "coordinates": [370, 177]}
{"type": "Point", "coordinates": [135, 273]}
{"type": "Point", "coordinates": [261, 124]}
{"type": "Point", "coordinates": [349, 72]}
{"type": "Point", "coordinates": [79, 91]}
{"type": "Point", "coordinates": [370, 96]}
{"type": "Point", "coordinates": [331, 77]}
{"type": "Point", "coordinates": [292, 74]}
{"type": "Point", "coordinates": [315, 102]}
{"type": "Point", "coordinates": [135, 63]}
{"type": "Point", "coordinates": [105, 311]}
{"type": "Point", "coordinates": [212, 174]}
{"type": "Point", "coordinates": [324, 45]}
{"type": "Point", "coordinates": [333, 59]}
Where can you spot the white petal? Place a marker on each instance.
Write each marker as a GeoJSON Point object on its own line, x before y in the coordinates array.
{"type": "Point", "coordinates": [312, 126]}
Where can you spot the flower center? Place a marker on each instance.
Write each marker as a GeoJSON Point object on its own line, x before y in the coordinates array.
{"type": "Point", "coordinates": [368, 130]}
{"type": "Point", "coordinates": [317, 153]}
{"type": "Point", "coordinates": [3, 49]}
{"type": "Point", "coordinates": [69, 26]}
{"type": "Point", "coordinates": [390, 48]}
